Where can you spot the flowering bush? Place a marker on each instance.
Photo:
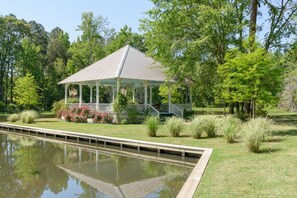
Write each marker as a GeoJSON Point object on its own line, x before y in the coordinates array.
{"type": "Point", "coordinates": [80, 115]}
{"type": "Point", "coordinates": [105, 118]}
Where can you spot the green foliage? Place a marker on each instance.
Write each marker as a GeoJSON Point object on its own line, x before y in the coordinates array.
{"type": "Point", "coordinates": [175, 126]}
{"type": "Point", "coordinates": [12, 108]}
{"type": "Point", "coordinates": [133, 116]}
{"type": "Point", "coordinates": [59, 106]}
{"type": "Point", "coordinates": [251, 76]}
{"type": "Point", "coordinates": [26, 92]}
{"type": "Point", "coordinates": [13, 117]}
{"type": "Point", "coordinates": [229, 127]}
{"type": "Point", "coordinates": [152, 124]}
{"type": "Point", "coordinates": [124, 121]}
{"type": "Point", "coordinates": [29, 116]}
{"type": "Point", "coordinates": [176, 94]}
{"type": "Point", "coordinates": [125, 37]}
{"type": "Point", "coordinates": [2, 106]}
{"type": "Point", "coordinates": [120, 103]}
{"type": "Point", "coordinates": [72, 100]}
{"type": "Point", "coordinates": [254, 133]}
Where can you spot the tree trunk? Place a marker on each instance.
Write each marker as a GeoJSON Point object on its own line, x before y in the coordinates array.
{"type": "Point", "coordinates": [253, 23]}
{"type": "Point", "coordinates": [231, 108]}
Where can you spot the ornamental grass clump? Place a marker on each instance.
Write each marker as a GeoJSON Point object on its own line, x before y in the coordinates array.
{"type": "Point", "coordinates": [29, 116]}
{"type": "Point", "coordinates": [152, 124]}
{"type": "Point", "coordinates": [196, 128]}
{"type": "Point", "coordinates": [255, 132]}
{"type": "Point", "coordinates": [203, 124]}
{"type": "Point", "coordinates": [175, 126]}
{"type": "Point", "coordinates": [13, 117]}
{"type": "Point", "coordinates": [230, 127]}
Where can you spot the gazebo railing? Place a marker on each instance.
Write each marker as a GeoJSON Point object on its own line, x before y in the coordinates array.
{"type": "Point", "coordinates": [145, 109]}
{"type": "Point", "coordinates": [177, 111]}
{"type": "Point", "coordinates": [105, 107]}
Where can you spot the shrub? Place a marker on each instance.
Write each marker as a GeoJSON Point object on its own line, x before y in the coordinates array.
{"type": "Point", "coordinates": [12, 108]}
{"type": "Point", "coordinates": [230, 127]}
{"type": "Point", "coordinates": [195, 127]}
{"type": "Point", "coordinates": [175, 126]}
{"type": "Point", "coordinates": [106, 118]}
{"type": "Point", "coordinates": [254, 133]}
{"type": "Point", "coordinates": [13, 117]}
{"type": "Point", "coordinates": [2, 106]}
{"type": "Point", "coordinates": [152, 124]}
{"type": "Point", "coordinates": [209, 125]}
{"type": "Point", "coordinates": [29, 116]}
{"type": "Point", "coordinates": [124, 121]}
{"type": "Point", "coordinates": [97, 117]}
{"type": "Point", "coordinates": [205, 123]}
{"type": "Point", "coordinates": [58, 107]}
{"type": "Point", "coordinates": [133, 116]}
{"type": "Point", "coordinates": [72, 100]}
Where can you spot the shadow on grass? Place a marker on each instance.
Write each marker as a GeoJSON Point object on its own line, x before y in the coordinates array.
{"type": "Point", "coordinates": [284, 133]}
{"type": "Point", "coordinates": [268, 150]}
{"type": "Point", "coordinates": [274, 139]}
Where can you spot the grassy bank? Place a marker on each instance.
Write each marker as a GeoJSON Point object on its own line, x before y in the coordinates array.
{"type": "Point", "coordinates": [232, 170]}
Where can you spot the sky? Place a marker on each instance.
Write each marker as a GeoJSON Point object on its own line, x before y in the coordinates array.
{"type": "Point", "coordinates": [66, 14]}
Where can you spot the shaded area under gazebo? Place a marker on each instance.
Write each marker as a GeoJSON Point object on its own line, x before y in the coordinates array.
{"type": "Point", "coordinates": [125, 67]}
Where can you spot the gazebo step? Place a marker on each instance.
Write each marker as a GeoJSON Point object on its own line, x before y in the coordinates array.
{"type": "Point", "coordinates": [164, 115]}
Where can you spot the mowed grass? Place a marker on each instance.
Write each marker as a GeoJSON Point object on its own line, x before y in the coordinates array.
{"type": "Point", "coordinates": [232, 170]}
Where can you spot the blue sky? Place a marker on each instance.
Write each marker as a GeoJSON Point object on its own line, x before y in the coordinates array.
{"type": "Point", "coordinates": [66, 14]}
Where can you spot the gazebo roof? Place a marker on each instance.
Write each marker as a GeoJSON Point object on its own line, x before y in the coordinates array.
{"type": "Point", "coordinates": [126, 63]}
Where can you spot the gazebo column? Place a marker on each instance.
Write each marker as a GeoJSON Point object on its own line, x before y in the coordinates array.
{"type": "Point", "coordinates": [151, 95]}
{"type": "Point", "coordinates": [80, 94]}
{"type": "Point", "coordinates": [66, 93]}
{"type": "Point", "coordinates": [169, 98]}
{"type": "Point", "coordinates": [118, 85]}
{"type": "Point", "coordinates": [113, 93]}
{"type": "Point", "coordinates": [146, 83]}
{"type": "Point", "coordinates": [97, 95]}
{"type": "Point", "coordinates": [91, 93]}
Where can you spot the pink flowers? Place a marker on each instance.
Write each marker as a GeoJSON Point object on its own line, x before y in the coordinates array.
{"type": "Point", "coordinates": [81, 114]}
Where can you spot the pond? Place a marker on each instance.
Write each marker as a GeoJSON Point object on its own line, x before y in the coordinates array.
{"type": "Point", "coordinates": [31, 167]}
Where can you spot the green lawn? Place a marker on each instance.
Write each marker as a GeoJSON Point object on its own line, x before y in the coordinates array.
{"type": "Point", "coordinates": [232, 170]}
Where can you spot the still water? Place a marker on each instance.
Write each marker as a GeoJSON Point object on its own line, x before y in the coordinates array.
{"type": "Point", "coordinates": [37, 168]}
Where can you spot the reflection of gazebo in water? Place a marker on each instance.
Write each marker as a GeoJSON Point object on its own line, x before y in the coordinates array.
{"type": "Point", "coordinates": [125, 67]}
{"type": "Point", "coordinates": [112, 179]}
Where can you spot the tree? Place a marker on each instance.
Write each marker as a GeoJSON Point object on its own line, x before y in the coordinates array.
{"type": "Point", "coordinates": [125, 37]}
{"type": "Point", "coordinates": [90, 46]}
{"type": "Point", "coordinates": [26, 92]}
{"type": "Point", "coordinates": [250, 77]}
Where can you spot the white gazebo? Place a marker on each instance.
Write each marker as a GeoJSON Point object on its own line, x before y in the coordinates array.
{"type": "Point", "coordinates": [125, 67]}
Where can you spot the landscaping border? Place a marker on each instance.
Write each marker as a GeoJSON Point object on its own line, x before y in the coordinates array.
{"type": "Point", "coordinates": [189, 186]}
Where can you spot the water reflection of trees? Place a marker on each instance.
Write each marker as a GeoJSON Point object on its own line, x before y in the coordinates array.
{"type": "Point", "coordinates": [23, 171]}
{"type": "Point", "coordinates": [29, 167]}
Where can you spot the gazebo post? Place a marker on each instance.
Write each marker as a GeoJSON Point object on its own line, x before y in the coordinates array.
{"type": "Point", "coordinates": [169, 98]}
{"type": "Point", "coordinates": [113, 93]}
{"type": "Point", "coordinates": [97, 95]}
{"type": "Point", "coordinates": [66, 92]}
{"type": "Point", "coordinates": [151, 95]}
{"type": "Point", "coordinates": [146, 83]}
{"type": "Point", "coordinates": [91, 93]}
{"type": "Point", "coordinates": [80, 94]}
{"type": "Point", "coordinates": [118, 85]}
